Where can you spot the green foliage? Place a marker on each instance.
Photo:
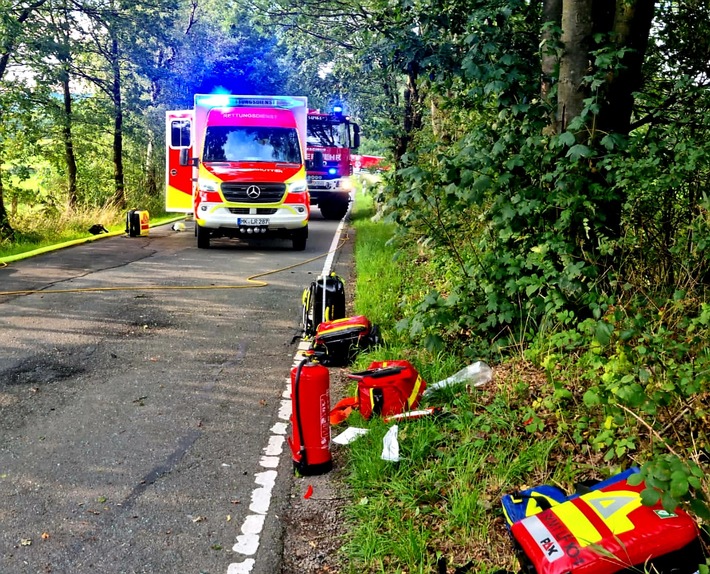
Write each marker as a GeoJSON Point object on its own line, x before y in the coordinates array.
{"type": "Point", "coordinates": [438, 499]}
{"type": "Point", "coordinates": [674, 482]}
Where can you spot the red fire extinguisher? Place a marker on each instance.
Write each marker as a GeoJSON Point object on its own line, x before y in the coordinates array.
{"type": "Point", "coordinates": [310, 418]}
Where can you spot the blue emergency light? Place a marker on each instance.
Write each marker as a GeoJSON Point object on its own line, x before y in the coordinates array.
{"type": "Point", "coordinates": [332, 170]}
{"type": "Point", "coordinates": [337, 109]}
{"type": "Point", "coordinates": [220, 100]}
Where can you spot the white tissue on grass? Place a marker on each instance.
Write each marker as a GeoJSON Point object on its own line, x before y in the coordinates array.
{"type": "Point", "coordinates": [390, 446]}
{"type": "Point", "coordinates": [349, 435]}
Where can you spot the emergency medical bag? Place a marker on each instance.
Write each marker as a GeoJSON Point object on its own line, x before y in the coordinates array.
{"type": "Point", "coordinates": [607, 530]}
{"type": "Point", "coordinates": [323, 300]}
{"type": "Point", "coordinates": [336, 343]}
{"type": "Point", "coordinates": [386, 388]}
{"type": "Point", "coordinates": [137, 223]}
{"type": "Point", "coordinates": [529, 501]}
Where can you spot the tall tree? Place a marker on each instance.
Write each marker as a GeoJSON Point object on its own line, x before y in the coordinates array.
{"type": "Point", "coordinates": [14, 19]}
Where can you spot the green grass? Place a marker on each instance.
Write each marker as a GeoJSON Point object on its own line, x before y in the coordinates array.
{"type": "Point", "coordinates": [41, 233]}
{"type": "Point", "coordinates": [442, 499]}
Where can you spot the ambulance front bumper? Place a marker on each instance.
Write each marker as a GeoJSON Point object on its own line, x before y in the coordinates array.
{"type": "Point", "coordinates": [220, 216]}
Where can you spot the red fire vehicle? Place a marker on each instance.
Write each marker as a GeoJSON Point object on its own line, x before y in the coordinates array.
{"type": "Point", "coordinates": [331, 137]}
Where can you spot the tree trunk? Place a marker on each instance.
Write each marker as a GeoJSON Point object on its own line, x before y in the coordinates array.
{"type": "Point", "coordinates": [631, 29]}
{"type": "Point", "coordinates": [551, 17]}
{"type": "Point", "coordinates": [8, 46]}
{"type": "Point", "coordinates": [6, 230]}
{"type": "Point", "coordinates": [151, 177]}
{"type": "Point", "coordinates": [72, 198]}
{"type": "Point", "coordinates": [119, 197]}
{"type": "Point", "coordinates": [576, 38]}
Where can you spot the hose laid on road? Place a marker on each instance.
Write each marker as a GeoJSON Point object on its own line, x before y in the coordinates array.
{"type": "Point", "coordinates": [252, 281]}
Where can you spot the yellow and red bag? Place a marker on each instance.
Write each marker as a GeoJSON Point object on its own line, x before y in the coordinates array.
{"type": "Point", "coordinates": [607, 531]}
{"type": "Point", "coordinates": [336, 342]}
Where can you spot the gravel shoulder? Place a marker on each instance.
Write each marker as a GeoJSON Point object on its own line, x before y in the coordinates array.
{"type": "Point", "coordinates": [315, 527]}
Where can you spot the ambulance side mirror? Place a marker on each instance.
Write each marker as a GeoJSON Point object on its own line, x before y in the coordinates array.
{"type": "Point", "coordinates": [185, 158]}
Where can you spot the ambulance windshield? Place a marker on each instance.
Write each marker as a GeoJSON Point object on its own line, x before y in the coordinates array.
{"type": "Point", "coordinates": [266, 144]}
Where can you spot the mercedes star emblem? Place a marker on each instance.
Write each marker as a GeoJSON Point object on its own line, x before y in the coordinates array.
{"type": "Point", "coordinates": [253, 191]}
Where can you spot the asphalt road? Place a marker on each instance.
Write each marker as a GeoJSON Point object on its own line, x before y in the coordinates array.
{"type": "Point", "coordinates": [134, 423]}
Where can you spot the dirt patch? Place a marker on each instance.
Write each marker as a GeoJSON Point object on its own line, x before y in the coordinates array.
{"type": "Point", "coordinates": [40, 371]}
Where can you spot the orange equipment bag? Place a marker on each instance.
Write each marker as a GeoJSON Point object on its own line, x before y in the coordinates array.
{"type": "Point", "coordinates": [137, 223]}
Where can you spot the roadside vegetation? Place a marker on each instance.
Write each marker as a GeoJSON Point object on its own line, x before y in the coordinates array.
{"type": "Point", "coordinates": [546, 209]}
{"type": "Point", "coordinates": [555, 413]}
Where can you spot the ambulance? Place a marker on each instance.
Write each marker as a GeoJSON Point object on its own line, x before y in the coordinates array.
{"type": "Point", "coordinates": [237, 164]}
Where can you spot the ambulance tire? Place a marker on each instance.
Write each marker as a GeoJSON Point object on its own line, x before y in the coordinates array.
{"type": "Point", "coordinates": [299, 239]}
{"type": "Point", "coordinates": [203, 237]}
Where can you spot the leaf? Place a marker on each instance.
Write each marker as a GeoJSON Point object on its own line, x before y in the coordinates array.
{"type": "Point", "coordinates": [701, 509]}
{"type": "Point", "coordinates": [669, 503]}
{"type": "Point", "coordinates": [603, 332]}
{"type": "Point", "coordinates": [635, 479]}
{"type": "Point", "coordinates": [650, 496]}
{"type": "Point", "coordinates": [679, 484]}
{"type": "Point", "coordinates": [567, 138]}
{"type": "Point", "coordinates": [579, 151]}
{"type": "Point", "coordinates": [591, 398]}
{"type": "Point", "coordinates": [309, 492]}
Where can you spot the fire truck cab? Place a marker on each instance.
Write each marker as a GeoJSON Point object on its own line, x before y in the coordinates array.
{"type": "Point", "coordinates": [330, 139]}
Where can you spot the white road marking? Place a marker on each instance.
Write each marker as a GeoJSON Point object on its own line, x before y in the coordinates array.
{"type": "Point", "coordinates": [248, 541]}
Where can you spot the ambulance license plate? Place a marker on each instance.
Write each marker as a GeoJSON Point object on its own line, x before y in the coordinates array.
{"type": "Point", "coordinates": [252, 221]}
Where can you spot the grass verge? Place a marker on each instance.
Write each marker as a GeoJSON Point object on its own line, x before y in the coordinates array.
{"type": "Point", "coordinates": [441, 501]}
{"type": "Point", "coordinates": [44, 233]}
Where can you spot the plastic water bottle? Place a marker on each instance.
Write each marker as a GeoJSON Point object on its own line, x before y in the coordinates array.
{"type": "Point", "coordinates": [476, 374]}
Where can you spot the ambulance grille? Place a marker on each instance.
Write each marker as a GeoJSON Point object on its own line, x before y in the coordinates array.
{"type": "Point", "coordinates": [246, 192]}
{"type": "Point", "coordinates": [247, 210]}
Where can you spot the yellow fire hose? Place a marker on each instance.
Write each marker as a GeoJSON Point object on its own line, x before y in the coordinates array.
{"type": "Point", "coordinates": [252, 281]}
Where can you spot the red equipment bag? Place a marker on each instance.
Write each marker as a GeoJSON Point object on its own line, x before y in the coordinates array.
{"type": "Point", "coordinates": [608, 531]}
{"type": "Point", "coordinates": [337, 342]}
{"type": "Point", "coordinates": [388, 388]}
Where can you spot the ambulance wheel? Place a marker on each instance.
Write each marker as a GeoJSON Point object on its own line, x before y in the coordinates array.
{"type": "Point", "coordinates": [203, 237]}
{"type": "Point", "coordinates": [334, 208]}
{"type": "Point", "coordinates": [299, 239]}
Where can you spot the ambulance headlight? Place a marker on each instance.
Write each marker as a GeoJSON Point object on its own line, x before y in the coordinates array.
{"type": "Point", "coordinates": [298, 186]}
{"type": "Point", "coordinates": [205, 184]}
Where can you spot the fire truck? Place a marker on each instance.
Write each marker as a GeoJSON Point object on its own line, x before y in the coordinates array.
{"type": "Point", "coordinates": [238, 164]}
{"type": "Point", "coordinates": [331, 137]}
